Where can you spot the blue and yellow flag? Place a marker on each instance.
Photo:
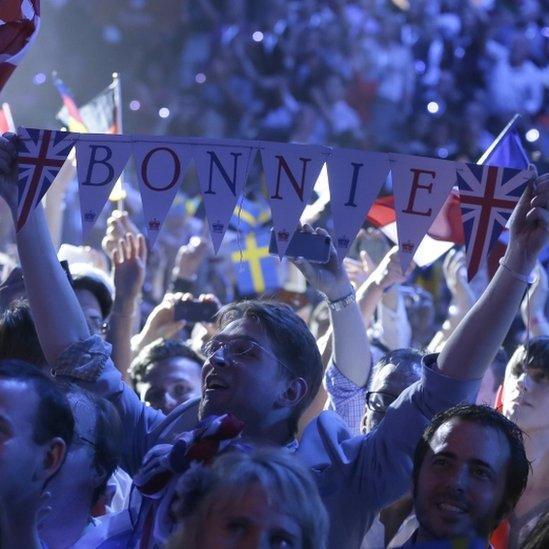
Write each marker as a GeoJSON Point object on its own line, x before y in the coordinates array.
{"type": "Point", "coordinates": [256, 270]}
{"type": "Point", "coordinates": [249, 215]}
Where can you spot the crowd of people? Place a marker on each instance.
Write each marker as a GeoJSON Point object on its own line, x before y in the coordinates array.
{"type": "Point", "coordinates": [147, 401]}
{"type": "Point", "coordinates": [341, 416]}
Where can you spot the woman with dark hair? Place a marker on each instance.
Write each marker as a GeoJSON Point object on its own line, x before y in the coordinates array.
{"type": "Point", "coordinates": [526, 402]}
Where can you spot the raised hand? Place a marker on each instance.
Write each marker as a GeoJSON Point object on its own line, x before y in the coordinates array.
{"type": "Point", "coordinates": [161, 322]}
{"type": "Point", "coordinates": [328, 278]}
{"type": "Point", "coordinates": [389, 271]}
{"type": "Point", "coordinates": [190, 257]}
{"type": "Point", "coordinates": [129, 261]}
{"type": "Point", "coordinates": [529, 226]}
{"type": "Point", "coordinates": [118, 225]}
{"type": "Point", "coordinates": [454, 268]}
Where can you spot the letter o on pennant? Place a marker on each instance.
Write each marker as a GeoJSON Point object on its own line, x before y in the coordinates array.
{"type": "Point", "coordinates": [176, 172]}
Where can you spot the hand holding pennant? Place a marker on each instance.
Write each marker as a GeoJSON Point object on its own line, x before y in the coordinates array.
{"type": "Point", "coordinates": [421, 186]}
{"type": "Point", "coordinates": [291, 171]}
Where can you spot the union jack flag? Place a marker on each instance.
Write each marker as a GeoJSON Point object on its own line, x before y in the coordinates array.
{"type": "Point", "coordinates": [41, 154]}
{"type": "Point", "coordinates": [488, 196]}
{"type": "Point", "coordinates": [19, 23]}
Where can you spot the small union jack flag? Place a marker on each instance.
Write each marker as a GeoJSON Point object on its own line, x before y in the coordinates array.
{"type": "Point", "coordinates": [41, 154]}
{"type": "Point", "coordinates": [488, 196]}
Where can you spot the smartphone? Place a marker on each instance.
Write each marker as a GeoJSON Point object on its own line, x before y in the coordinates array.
{"type": "Point", "coordinates": [195, 311]}
{"type": "Point", "coordinates": [313, 247]}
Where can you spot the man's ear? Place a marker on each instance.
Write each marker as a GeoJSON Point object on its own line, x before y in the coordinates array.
{"type": "Point", "coordinates": [54, 457]}
{"type": "Point", "coordinates": [295, 392]}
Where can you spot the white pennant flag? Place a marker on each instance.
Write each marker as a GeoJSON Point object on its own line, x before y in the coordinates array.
{"type": "Point", "coordinates": [222, 172]}
{"type": "Point", "coordinates": [161, 166]}
{"type": "Point", "coordinates": [421, 186]}
{"type": "Point", "coordinates": [99, 162]}
{"type": "Point", "coordinates": [291, 172]}
{"type": "Point", "coordinates": [355, 178]}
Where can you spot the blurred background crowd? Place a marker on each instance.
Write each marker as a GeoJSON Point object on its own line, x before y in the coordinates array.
{"type": "Point", "coordinates": [430, 77]}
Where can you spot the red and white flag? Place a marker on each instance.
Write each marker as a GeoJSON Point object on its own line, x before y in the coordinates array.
{"type": "Point", "coordinates": [41, 154]}
{"type": "Point", "coordinates": [19, 24]}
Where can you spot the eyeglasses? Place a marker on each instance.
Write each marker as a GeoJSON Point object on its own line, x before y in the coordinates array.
{"type": "Point", "coordinates": [379, 401]}
{"type": "Point", "coordinates": [239, 351]}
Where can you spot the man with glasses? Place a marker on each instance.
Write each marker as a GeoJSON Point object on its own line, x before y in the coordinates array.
{"type": "Point", "coordinates": [394, 373]}
{"type": "Point", "coordinates": [357, 476]}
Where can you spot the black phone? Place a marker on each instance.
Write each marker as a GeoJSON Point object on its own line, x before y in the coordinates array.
{"type": "Point", "coordinates": [195, 311]}
{"type": "Point", "coordinates": [310, 246]}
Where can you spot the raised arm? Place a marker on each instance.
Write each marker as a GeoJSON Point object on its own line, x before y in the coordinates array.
{"type": "Point", "coordinates": [351, 350]}
{"type": "Point", "coordinates": [58, 316]}
{"type": "Point", "coordinates": [128, 264]}
{"type": "Point", "coordinates": [474, 343]}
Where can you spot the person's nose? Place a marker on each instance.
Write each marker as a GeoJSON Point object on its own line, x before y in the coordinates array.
{"type": "Point", "coordinates": [219, 358]}
{"type": "Point", "coordinates": [457, 478]}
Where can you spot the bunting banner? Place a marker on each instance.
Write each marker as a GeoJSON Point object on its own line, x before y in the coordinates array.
{"type": "Point", "coordinates": [99, 162]}
{"type": "Point", "coordinates": [355, 179]}
{"type": "Point", "coordinates": [488, 196]}
{"type": "Point", "coordinates": [161, 166]}
{"type": "Point", "coordinates": [19, 24]}
{"type": "Point", "coordinates": [41, 154]}
{"type": "Point", "coordinates": [291, 172]}
{"type": "Point", "coordinates": [421, 186]}
{"type": "Point", "coordinates": [424, 201]}
{"type": "Point", "coordinates": [222, 172]}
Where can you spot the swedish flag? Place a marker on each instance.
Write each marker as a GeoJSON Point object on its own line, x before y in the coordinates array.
{"type": "Point", "coordinates": [256, 270]}
{"type": "Point", "coordinates": [249, 215]}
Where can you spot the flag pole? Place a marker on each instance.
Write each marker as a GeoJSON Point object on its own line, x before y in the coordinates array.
{"type": "Point", "coordinates": [118, 194]}
{"type": "Point", "coordinates": [488, 152]}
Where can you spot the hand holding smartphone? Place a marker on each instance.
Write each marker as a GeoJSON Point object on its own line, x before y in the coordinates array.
{"type": "Point", "coordinates": [310, 246]}
{"type": "Point", "coordinates": [195, 311]}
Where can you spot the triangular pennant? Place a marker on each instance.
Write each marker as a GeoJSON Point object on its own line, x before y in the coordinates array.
{"type": "Point", "coordinates": [421, 186]}
{"type": "Point", "coordinates": [291, 172]}
{"type": "Point", "coordinates": [41, 153]}
{"type": "Point", "coordinates": [100, 160]}
{"type": "Point", "coordinates": [355, 178]}
{"type": "Point", "coordinates": [488, 196]}
{"type": "Point", "coordinates": [222, 172]}
{"type": "Point", "coordinates": [161, 167]}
